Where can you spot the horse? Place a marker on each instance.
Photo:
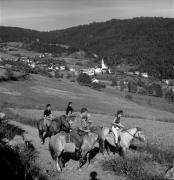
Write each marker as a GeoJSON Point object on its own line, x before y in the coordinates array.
{"type": "Point", "coordinates": [58, 146]}
{"type": "Point", "coordinates": [58, 124]}
{"type": "Point", "coordinates": [126, 137]}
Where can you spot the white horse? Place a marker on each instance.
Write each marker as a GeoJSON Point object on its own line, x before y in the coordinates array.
{"type": "Point", "coordinates": [125, 138]}
{"type": "Point", "coordinates": [58, 146]}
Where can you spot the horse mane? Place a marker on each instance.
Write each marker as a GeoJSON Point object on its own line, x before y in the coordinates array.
{"type": "Point", "coordinates": [139, 129]}
{"type": "Point", "coordinates": [71, 117]}
{"type": "Point", "coordinates": [126, 129]}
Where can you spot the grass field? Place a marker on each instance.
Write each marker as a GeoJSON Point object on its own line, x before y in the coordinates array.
{"type": "Point", "coordinates": [39, 91]}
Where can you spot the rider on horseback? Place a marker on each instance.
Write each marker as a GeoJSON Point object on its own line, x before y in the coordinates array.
{"type": "Point", "coordinates": [69, 108]}
{"type": "Point", "coordinates": [85, 120]}
{"type": "Point", "coordinates": [85, 125]}
{"type": "Point", "coordinates": [47, 116]}
{"type": "Point", "coordinates": [117, 125]}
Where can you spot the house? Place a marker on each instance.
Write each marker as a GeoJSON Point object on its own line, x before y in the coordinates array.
{"type": "Point", "coordinates": [166, 81]}
{"type": "Point", "coordinates": [32, 65]}
{"type": "Point", "coordinates": [103, 65]}
{"type": "Point", "coordinates": [95, 80]}
{"type": "Point", "coordinates": [98, 70]}
{"type": "Point", "coordinates": [56, 68]}
{"type": "Point", "coordinates": [62, 68]}
{"type": "Point", "coordinates": [137, 73]}
{"type": "Point", "coordinates": [144, 74]}
{"type": "Point", "coordinates": [89, 71]}
{"type": "Point", "coordinates": [129, 73]}
{"type": "Point", "coordinates": [72, 70]}
{"type": "Point", "coordinates": [95, 55]}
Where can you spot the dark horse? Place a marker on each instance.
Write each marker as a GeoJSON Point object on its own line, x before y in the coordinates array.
{"type": "Point", "coordinates": [58, 124]}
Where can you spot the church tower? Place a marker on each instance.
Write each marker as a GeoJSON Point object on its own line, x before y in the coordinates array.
{"type": "Point", "coordinates": [103, 65]}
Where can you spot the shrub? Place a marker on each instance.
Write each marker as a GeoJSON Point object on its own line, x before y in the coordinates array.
{"type": "Point", "coordinates": [79, 64]}
{"type": "Point", "coordinates": [58, 75]}
{"type": "Point", "coordinates": [133, 168]}
{"type": "Point", "coordinates": [114, 82]}
{"type": "Point", "coordinates": [129, 96]}
{"type": "Point", "coordinates": [18, 162]}
{"type": "Point", "coordinates": [170, 95]}
{"type": "Point", "coordinates": [68, 76]}
{"type": "Point", "coordinates": [72, 80]}
{"type": "Point", "coordinates": [155, 89]}
{"type": "Point", "coordinates": [98, 86]}
{"type": "Point", "coordinates": [121, 85]}
{"type": "Point", "coordinates": [84, 79]}
{"type": "Point", "coordinates": [10, 75]}
{"type": "Point", "coordinates": [132, 86]}
{"type": "Point", "coordinates": [142, 91]}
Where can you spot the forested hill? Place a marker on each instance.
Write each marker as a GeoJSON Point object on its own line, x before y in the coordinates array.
{"type": "Point", "coordinates": [145, 41]}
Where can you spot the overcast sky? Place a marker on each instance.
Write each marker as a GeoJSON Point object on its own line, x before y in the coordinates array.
{"type": "Point", "coordinates": [59, 14]}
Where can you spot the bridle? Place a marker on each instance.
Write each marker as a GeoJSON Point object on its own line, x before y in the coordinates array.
{"type": "Point", "coordinates": [133, 134]}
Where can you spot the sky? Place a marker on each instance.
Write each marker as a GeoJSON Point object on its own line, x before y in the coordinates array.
{"type": "Point", "coordinates": [47, 15]}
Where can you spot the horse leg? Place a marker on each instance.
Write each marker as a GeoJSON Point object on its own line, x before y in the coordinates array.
{"type": "Point", "coordinates": [59, 163]}
{"type": "Point", "coordinates": [88, 159]}
{"type": "Point", "coordinates": [107, 148]}
{"type": "Point", "coordinates": [82, 160]}
{"type": "Point", "coordinates": [102, 146]}
{"type": "Point", "coordinates": [122, 152]}
{"type": "Point", "coordinates": [40, 133]}
{"type": "Point", "coordinates": [43, 138]}
{"type": "Point", "coordinates": [58, 166]}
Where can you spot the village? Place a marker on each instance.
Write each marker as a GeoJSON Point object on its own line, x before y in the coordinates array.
{"type": "Point", "coordinates": [19, 59]}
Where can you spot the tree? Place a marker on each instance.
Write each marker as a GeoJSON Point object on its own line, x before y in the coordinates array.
{"type": "Point", "coordinates": [84, 79]}
{"type": "Point", "coordinates": [132, 86]}
{"type": "Point", "coordinates": [121, 85]}
{"type": "Point", "coordinates": [170, 95]}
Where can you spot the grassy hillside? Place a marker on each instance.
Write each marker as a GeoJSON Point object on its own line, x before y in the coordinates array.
{"type": "Point", "coordinates": [39, 91]}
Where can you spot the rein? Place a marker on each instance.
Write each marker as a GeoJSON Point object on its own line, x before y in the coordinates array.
{"type": "Point", "coordinates": [132, 135]}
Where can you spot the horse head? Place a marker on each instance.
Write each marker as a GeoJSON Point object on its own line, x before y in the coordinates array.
{"type": "Point", "coordinates": [139, 134]}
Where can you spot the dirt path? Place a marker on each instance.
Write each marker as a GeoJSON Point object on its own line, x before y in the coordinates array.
{"type": "Point", "coordinates": [70, 172]}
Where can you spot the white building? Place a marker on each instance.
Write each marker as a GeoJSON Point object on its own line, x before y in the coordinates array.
{"type": "Point", "coordinates": [144, 74]}
{"type": "Point", "coordinates": [137, 73]}
{"type": "Point", "coordinates": [98, 70]}
{"type": "Point", "coordinates": [103, 65]}
{"type": "Point", "coordinates": [95, 80]}
{"type": "Point", "coordinates": [32, 65]}
{"type": "Point", "coordinates": [62, 68]}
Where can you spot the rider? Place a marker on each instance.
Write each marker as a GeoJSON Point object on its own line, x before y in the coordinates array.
{"type": "Point", "coordinates": [69, 108]}
{"type": "Point", "coordinates": [47, 115]}
{"type": "Point", "coordinates": [85, 119]}
{"type": "Point", "coordinates": [117, 125]}
{"type": "Point", "coordinates": [85, 124]}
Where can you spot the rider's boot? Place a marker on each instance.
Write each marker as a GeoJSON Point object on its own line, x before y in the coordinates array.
{"type": "Point", "coordinates": [78, 152]}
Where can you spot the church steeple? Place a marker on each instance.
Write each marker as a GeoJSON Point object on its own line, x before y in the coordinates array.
{"type": "Point", "coordinates": [103, 65]}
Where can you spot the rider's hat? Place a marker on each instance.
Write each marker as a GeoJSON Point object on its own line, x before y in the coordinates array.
{"type": "Point", "coordinates": [120, 112]}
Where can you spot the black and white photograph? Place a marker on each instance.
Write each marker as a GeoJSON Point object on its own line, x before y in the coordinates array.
{"type": "Point", "coordinates": [87, 89]}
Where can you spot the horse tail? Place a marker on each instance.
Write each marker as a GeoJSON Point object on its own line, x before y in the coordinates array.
{"type": "Point", "coordinates": [51, 149]}
{"type": "Point", "coordinates": [55, 146]}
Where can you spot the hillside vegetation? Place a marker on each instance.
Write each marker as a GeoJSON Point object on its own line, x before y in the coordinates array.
{"type": "Point", "coordinates": [148, 42]}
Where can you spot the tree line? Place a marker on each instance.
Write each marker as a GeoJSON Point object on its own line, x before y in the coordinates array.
{"type": "Point", "coordinates": [147, 42]}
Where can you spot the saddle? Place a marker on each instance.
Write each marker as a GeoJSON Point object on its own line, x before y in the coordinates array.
{"type": "Point", "coordinates": [74, 137]}
{"type": "Point", "coordinates": [82, 132]}
{"type": "Point", "coordinates": [69, 138]}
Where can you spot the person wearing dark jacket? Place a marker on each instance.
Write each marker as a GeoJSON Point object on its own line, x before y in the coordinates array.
{"type": "Point", "coordinates": [47, 115]}
{"type": "Point", "coordinates": [69, 109]}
